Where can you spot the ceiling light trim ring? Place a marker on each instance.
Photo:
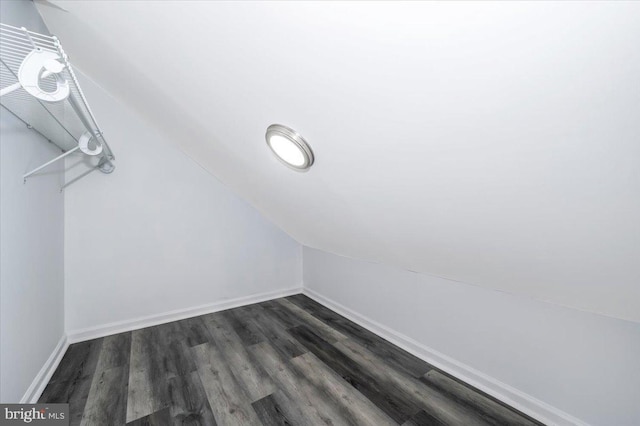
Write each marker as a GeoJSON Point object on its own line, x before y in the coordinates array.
{"type": "Point", "coordinates": [297, 140]}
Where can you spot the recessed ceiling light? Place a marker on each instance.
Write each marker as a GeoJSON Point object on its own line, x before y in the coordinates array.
{"type": "Point", "coordinates": [289, 147]}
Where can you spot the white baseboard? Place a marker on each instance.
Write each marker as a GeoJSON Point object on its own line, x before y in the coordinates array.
{"type": "Point", "coordinates": [519, 400]}
{"type": "Point", "coordinates": [81, 335]}
{"type": "Point", "coordinates": [34, 391]}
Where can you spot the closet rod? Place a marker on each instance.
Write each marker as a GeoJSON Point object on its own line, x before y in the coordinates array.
{"type": "Point", "coordinates": [38, 64]}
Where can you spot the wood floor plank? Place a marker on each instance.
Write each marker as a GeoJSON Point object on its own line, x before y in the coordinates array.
{"type": "Point", "coordinates": [270, 328]}
{"type": "Point", "coordinates": [80, 360]}
{"type": "Point", "coordinates": [251, 375]}
{"type": "Point", "coordinates": [66, 391]}
{"type": "Point", "coordinates": [146, 394]}
{"type": "Point", "coordinates": [73, 392]}
{"type": "Point", "coordinates": [175, 351]}
{"type": "Point", "coordinates": [188, 401]}
{"type": "Point", "coordinates": [143, 346]}
{"type": "Point", "coordinates": [280, 313]}
{"type": "Point", "coordinates": [318, 326]}
{"type": "Point", "coordinates": [115, 352]}
{"type": "Point", "coordinates": [386, 398]}
{"type": "Point", "coordinates": [484, 407]}
{"type": "Point", "coordinates": [295, 413]}
{"type": "Point", "coordinates": [354, 406]}
{"type": "Point", "coordinates": [241, 319]}
{"type": "Point", "coordinates": [423, 419]}
{"type": "Point", "coordinates": [304, 403]}
{"type": "Point", "coordinates": [228, 400]}
{"type": "Point", "coordinates": [147, 391]}
{"type": "Point", "coordinates": [271, 412]}
{"type": "Point", "coordinates": [159, 418]}
{"type": "Point", "coordinates": [410, 389]}
{"type": "Point", "coordinates": [159, 354]}
{"type": "Point", "coordinates": [395, 356]}
{"type": "Point", "coordinates": [107, 400]}
{"type": "Point", "coordinates": [71, 382]}
{"type": "Point", "coordinates": [193, 331]}
{"type": "Point", "coordinates": [106, 403]}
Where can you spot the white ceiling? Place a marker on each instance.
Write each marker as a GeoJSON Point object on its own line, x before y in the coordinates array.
{"type": "Point", "coordinates": [496, 144]}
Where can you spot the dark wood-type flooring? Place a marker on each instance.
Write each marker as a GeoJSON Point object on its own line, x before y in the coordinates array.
{"type": "Point", "coordinates": [289, 361]}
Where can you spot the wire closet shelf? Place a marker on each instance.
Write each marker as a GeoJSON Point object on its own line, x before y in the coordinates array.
{"type": "Point", "coordinates": [39, 87]}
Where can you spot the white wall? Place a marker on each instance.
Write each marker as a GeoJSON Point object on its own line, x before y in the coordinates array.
{"type": "Point", "coordinates": [160, 233]}
{"type": "Point", "coordinates": [31, 243]}
{"type": "Point", "coordinates": [584, 364]}
{"type": "Point", "coordinates": [31, 257]}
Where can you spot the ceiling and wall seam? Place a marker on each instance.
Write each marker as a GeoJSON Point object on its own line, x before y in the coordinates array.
{"type": "Point", "coordinates": [426, 274]}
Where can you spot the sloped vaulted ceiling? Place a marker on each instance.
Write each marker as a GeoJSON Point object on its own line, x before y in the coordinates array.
{"type": "Point", "coordinates": [496, 144]}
